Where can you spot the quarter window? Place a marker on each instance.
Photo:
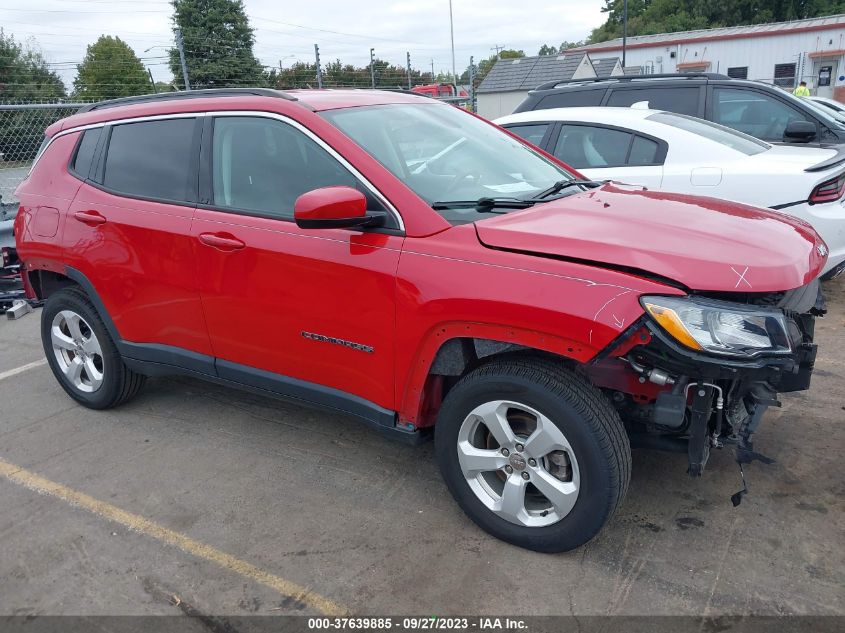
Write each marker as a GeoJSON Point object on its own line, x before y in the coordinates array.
{"type": "Point", "coordinates": [532, 133]}
{"type": "Point", "coordinates": [263, 165]}
{"type": "Point", "coordinates": [682, 99]}
{"type": "Point", "coordinates": [151, 159]}
{"type": "Point", "coordinates": [85, 152]}
{"type": "Point", "coordinates": [753, 112]}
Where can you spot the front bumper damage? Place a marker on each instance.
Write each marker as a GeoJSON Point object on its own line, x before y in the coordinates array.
{"type": "Point", "coordinates": [673, 398]}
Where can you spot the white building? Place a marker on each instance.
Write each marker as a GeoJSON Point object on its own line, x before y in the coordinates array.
{"type": "Point", "coordinates": [783, 53]}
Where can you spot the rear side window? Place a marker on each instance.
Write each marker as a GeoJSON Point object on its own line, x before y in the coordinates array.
{"type": "Point", "coordinates": [584, 146]}
{"type": "Point", "coordinates": [644, 151]}
{"type": "Point", "coordinates": [531, 133]}
{"type": "Point", "coordinates": [151, 159]}
{"type": "Point", "coordinates": [681, 99]}
{"type": "Point", "coordinates": [571, 99]}
{"type": "Point", "coordinates": [85, 152]}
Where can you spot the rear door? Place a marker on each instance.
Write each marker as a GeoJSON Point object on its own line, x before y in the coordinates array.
{"type": "Point", "coordinates": [610, 153]}
{"type": "Point", "coordinates": [128, 230]}
{"type": "Point", "coordinates": [307, 313]}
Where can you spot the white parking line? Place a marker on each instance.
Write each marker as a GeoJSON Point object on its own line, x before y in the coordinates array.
{"type": "Point", "coordinates": [22, 368]}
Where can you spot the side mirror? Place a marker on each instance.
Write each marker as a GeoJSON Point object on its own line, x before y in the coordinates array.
{"type": "Point", "coordinates": [799, 131]}
{"type": "Point", "coordinates": [333, 208]}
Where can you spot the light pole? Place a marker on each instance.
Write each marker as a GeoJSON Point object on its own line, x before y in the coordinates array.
{"type": "Point", "coordinates": [373, 67]}
{"type": "Point", "coordinates": [452, 35]}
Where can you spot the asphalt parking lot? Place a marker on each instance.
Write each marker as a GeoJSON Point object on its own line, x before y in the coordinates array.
{"type": "Point", "coordinates": [196, 497]}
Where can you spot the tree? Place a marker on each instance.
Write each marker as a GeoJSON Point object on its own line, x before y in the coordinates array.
{"type": "Point", "coordinates": [545, 49]}
{"type": "Point", "coordinates": [110, 70]}
{"type": "Point", "coordinates": [218, 43]}
{"type": "Point", "coordinates": [647, 17]}
{"type": "Point", "coordinates": [24, 74]}
{"type": "Point", "coordinates": [25, 78]}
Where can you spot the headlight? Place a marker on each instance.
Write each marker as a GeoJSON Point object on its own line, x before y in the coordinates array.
{"type": "Point", "coordinates": [720, 327]}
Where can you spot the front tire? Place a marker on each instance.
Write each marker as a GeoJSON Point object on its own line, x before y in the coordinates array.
{"type": "Point", "coordinates": [82, 355]}
{"type": "Point", "coordinates": [533, 453]}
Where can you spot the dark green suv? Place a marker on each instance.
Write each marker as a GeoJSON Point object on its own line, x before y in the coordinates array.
{"type": "Point", "coordinates": [762, 110]}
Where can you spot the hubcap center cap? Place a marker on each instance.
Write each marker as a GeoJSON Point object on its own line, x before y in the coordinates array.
{"type": "Point", "coordinates": [517, 461]}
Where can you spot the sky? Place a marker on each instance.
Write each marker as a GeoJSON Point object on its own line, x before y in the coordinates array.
{"type": "Point", "coordinates": [286, 31]}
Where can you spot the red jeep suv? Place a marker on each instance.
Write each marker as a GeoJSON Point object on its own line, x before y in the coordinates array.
{"type": "Point", "coordinates": [396, 259]}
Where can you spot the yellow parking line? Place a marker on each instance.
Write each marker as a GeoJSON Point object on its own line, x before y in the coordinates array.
{"type": "Point", "coordinates": [135, 522]}
{"type": "Point", "coordinates": [22, 368]}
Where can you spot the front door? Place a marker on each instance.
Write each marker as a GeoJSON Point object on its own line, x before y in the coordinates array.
{"type": "Point", "coordinates": [308, 313]}
{"type": "Point", "coordinates": [824, 71]}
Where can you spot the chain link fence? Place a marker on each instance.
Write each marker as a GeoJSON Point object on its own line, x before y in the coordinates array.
{"type": "Point", "coordinates": [22, 128]}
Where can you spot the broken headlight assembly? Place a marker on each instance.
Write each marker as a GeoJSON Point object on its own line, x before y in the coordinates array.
{"type": "Point", "coordinates": [720, 327]}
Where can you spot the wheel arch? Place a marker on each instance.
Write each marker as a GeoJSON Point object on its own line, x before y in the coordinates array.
{"type": "Point", "coordinates": [452, 349]}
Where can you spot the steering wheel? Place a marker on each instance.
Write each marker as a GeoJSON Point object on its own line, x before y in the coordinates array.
{"type": "Point", "coordinates": [458, 179]}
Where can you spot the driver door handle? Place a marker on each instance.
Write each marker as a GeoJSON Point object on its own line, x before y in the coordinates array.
{"type": "Point", "coordinates": [221, 241]}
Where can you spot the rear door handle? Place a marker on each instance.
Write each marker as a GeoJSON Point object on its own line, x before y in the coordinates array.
{"type": "Point", "coordinates": [91, 218]}
{"type": "Point", "coordinates": [223, 242]}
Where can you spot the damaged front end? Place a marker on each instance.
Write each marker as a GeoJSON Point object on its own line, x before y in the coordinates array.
{"type": "Point", "coordinates": [699, 372]}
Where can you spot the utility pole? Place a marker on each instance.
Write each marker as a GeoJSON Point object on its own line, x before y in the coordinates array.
{"type": "Point", "coordinates": [432, 70]}
{"type": "Point", "coordinates": [452, 35]}
{"type": "Point", "coordinates": [408, 64]}
{"type": "Point", "coordinates": [624, 31]}
{"type": "Point", "coordinates": [472, 106]}
{"type": "Point", "coordinates": [151, 80]}
{"type": "Point", "coordinates": [373, 66]}
{"type": "Point", "coordinates": [181, 48]}
{"type": "Point", "coordinates": [319, 70]}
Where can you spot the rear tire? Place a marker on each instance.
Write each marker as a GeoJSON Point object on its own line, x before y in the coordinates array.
{"type": "Point", "coordinates": [533, 453]}
{"type": "Point", "coordinates": [82, 354]}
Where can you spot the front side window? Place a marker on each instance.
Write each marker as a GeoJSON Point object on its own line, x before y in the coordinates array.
{"type": "Point", "coordinates": [263, 165]}
{"type": "Point", "coordinates": [151, 159]}
{"type": "Point", "coordinates": [673, 99]}
{"type": "Point", "coordinates": [444, 154]}
{"type": "Point", "coordinates": [585, 146]}
{"type": "Point", "coordinates": [753, 112]}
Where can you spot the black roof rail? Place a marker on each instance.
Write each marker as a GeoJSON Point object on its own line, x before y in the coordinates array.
{"type": "Point", "coordinates": [188, 94]}
{"type": "Point", "coordinates": [553, 84]}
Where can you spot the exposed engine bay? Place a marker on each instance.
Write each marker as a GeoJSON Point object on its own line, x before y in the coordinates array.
{"type": "Point", "coordinates": [673, 397]}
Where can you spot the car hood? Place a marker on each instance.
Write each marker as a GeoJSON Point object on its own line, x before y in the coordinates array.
{"type": "Point", "coordinates": [701, 243]}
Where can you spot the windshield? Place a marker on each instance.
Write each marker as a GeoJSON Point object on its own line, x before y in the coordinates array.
{"type": "Point", "coordinates": [726, 136]}
{"type": "Point", "coordinates": [445, 154]}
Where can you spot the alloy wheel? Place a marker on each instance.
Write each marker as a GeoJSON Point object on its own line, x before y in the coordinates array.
{"type": "Point", "coordinates": [77, 351]}
{"type": "Point", "coordinates": [518, 463]}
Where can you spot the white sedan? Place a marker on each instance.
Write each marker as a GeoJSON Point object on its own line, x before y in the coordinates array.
{"type": "Point", "coordinates": [675, 152]}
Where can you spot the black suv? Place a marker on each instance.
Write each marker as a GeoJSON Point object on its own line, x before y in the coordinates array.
{"type": "Point", "coordinates": [767, 112]}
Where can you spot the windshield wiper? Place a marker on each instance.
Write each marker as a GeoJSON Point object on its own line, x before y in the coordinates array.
{"type": "Point", "coordinates": [560, 185]}
{"type": "Point", "coordinates": [484, 205]}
